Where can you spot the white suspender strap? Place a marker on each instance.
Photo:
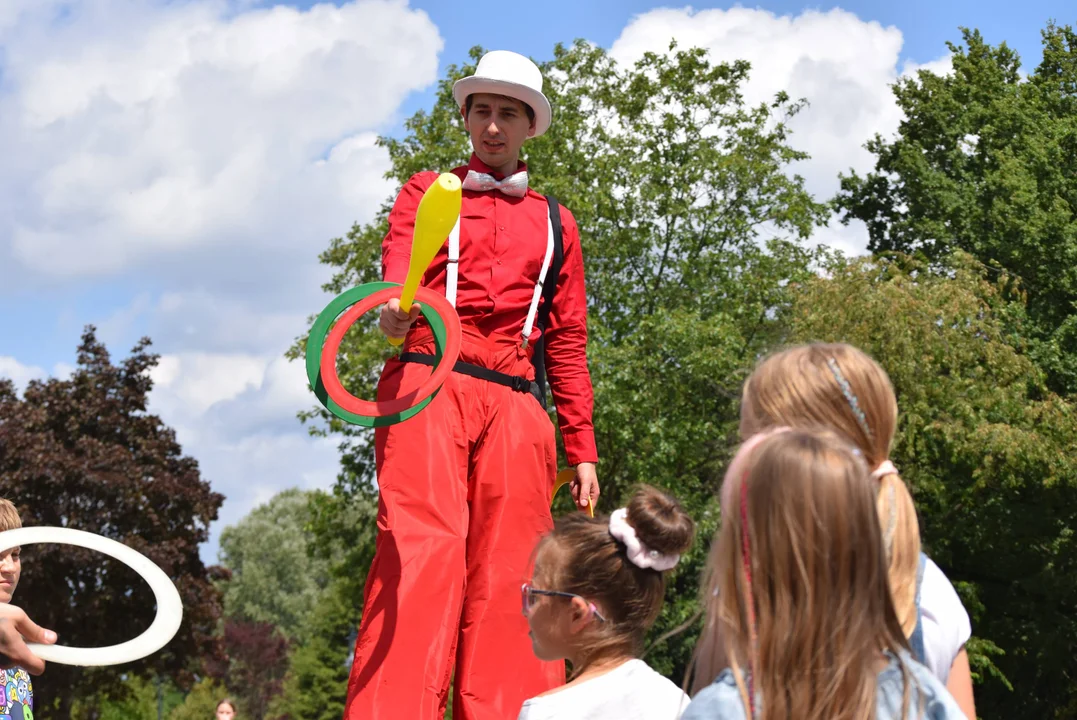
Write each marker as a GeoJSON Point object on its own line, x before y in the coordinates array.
{"type": "Point", "coordinates": [537, 297]}
{"type": "Point", "coordinates": [452, 268]}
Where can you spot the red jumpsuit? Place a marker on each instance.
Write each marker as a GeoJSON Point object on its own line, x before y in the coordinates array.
{"type": "Point", "coordinates": [465, 484]}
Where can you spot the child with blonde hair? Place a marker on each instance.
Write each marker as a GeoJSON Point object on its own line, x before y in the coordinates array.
{"type": "Point", "coordinates": [837, 386]}
{"type": "Point", "coordinates": [800, 622]}
{"type": "Point", "coordinates": [597, 587]}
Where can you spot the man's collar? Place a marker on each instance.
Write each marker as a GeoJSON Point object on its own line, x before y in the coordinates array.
{"type": "Point", "coordinates": [479, 166]}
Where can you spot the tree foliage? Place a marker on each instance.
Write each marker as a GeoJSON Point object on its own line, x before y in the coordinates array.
{"type": "Point", "coordinates": [344, 525]}
{"type": "Point", "coordinates": [693, 221]}
{"type": "Point", "coordinates": [988, 450]}
{"type": "Point", "coordinates": [689, 214]}
{"type": "Point", "coordinates": [85, 453]}
{"type": "Point", "coordinates": [201, 702]}
{"type": "Point", "coordinates": [985, 161]}
{"type": "Point", "coordinates": [255, 663]}
{"type": "Point", "coordinates": [274, 578]}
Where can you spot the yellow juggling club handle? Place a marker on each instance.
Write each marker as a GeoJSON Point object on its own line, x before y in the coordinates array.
{"type": "Point", "coordinates": [564, 478]}
{"type": "Point", "coordinates": [435, 217]}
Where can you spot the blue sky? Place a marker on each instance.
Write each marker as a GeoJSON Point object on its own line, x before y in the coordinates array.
{"type": "Point", "coordinates": [166, 171]}
{"type": "Point", "coordinates": [926, 26]}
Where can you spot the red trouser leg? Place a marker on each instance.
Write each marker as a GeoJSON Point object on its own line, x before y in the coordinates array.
{"type": "Point", "coordinates": [513, 463]}
{"type": "Point", "coordinates": [464, 496]}
{"type": "Point", "coordinates": [407, 639]}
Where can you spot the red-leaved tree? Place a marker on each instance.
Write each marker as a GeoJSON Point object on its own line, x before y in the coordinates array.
{"type": "Point", "coordinates": [84, 453]}
{"type": "Point", "coordinates": [255, 662]}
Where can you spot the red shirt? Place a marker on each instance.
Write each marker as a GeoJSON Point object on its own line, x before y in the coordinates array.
{"type": "Point", "coordinates": [502, 245]}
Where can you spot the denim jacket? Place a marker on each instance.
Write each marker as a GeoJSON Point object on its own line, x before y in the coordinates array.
{"type": "Point", "coordinates": [721, 700]}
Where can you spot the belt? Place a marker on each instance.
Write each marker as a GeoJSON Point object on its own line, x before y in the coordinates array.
{"type": "Point", "coordinates": [516, 382]}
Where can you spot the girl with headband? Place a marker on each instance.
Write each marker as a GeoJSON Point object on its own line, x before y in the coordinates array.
{"type": "Point", "coordinates": [597, 586]}
{"type": "Point", "coordinates": [800, 622]}
{"type": "Point", "coordinates": [838, 387]}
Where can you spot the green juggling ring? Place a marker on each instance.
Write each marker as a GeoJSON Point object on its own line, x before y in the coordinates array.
{"type": "Point", "coordinates": [320, 330]}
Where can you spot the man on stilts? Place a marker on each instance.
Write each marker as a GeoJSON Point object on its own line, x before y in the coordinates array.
{"type": "Point", "coordinates": [465, 485]}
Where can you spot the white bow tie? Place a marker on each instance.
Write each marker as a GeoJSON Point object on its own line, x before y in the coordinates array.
{"type": "Point", "coordinates": [514, 185]}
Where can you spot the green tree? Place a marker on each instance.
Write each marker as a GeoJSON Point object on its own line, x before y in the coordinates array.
{"type": "Point", "coordinates": [344, 526]}
{"type": "Point", "coordinates": [988, 451]}
{"type": "Point", "coordinates": [85, 453]}
{"type": "Point", "coordinates": [986, 161]}
{"type": "Point", "coordinates": [140, 702]}
{"type": "Point", "coordinates": [201, 702]}
{"type": "Point", "coordinates": [274, 578]}
{"type": "Point", "coordinates": [689, 216]}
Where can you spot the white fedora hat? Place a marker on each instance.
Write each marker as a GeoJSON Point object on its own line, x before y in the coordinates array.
{"type": "Point", "coordinates": [502, 72]}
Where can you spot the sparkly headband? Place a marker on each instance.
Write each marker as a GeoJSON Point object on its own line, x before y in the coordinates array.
{"type": "Point", "coordinates": [850, 396]}
{"type": "Point", "coordinates": [885, 467]}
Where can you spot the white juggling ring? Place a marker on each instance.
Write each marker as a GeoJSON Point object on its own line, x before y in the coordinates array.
{"type": "Point", "coordinates": [169, 606]}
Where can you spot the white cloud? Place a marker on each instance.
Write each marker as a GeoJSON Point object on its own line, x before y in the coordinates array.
{"type": "Point", "coordinates": [236, 413]}
{"type": "Point", "coordinates": [21, 374]}
{"type": "Point", "coordinates": [161, 132]}
{"type": "Point", "coordinates": [842, 65]}
{"type": "Point", "coordinates": [18, 373]}
{"type": "Point", "coordinates": [192, 159]}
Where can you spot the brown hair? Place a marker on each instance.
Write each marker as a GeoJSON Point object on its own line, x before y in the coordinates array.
{"type": "Point", "coordinates": [582, 557]}
{"type": "Point", "coordinates": [527, 108]}
{"type": "Point", "coordinates": [226, 701]}
{"type": "Point", "coordinates": [796, 596]}
{"type": "Point", "coordinates": [801, 387]}
{"type": "Point", "coordinates": [9, 516]}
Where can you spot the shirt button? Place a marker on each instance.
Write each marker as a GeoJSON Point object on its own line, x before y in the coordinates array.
{"type": "Point", "coordinates": [498, 262]}
{"type": "Point", "coordinates": [500, 227]}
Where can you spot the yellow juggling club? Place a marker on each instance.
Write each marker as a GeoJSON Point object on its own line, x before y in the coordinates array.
{"type": "Point", "coordinates": [437, 214]}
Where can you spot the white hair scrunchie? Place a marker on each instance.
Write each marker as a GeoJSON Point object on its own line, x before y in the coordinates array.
{"type": "Point", "coordinates": [639, 554]}
{"type": "Point", "coordinates": [885, 468]}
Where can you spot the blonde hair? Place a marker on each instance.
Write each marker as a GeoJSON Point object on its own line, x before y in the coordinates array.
{"type": "Point", "coordinates": [802, 387]}
{"type": "Point", "coordinates": [9, 516]}
{"type": "Point", "coordinates": [796, 597]}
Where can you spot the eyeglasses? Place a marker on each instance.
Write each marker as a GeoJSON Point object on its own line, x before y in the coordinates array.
{"type": "Point", "coordinates": [529, 593]}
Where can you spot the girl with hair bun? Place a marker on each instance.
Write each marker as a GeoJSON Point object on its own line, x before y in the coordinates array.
{"type": "Point", "coordinates": [840, 388]}
{"type": "Point", "coordinates": [597, 587]}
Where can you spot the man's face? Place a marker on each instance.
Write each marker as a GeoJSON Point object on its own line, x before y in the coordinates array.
{"type": "Point", "coordinates": [498, 126]}
{"type": "Point", "coordinates": [10, 570]}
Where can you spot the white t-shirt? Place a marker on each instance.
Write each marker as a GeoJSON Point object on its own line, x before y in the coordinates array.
{"type": "Point", "coordinates": [945, 621]}
{"type": "Point", "coordinates": [632, 691]}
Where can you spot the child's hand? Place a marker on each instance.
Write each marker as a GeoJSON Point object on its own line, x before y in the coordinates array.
{"type": "Point", "coordinates": [15, 630]}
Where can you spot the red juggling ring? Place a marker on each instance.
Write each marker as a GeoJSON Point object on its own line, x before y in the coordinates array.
{"type": "Point", "coordinates": [400, 405]}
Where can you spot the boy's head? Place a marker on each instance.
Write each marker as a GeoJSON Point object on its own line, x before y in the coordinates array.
{"type": "Point", "coordinates": [10, 561]}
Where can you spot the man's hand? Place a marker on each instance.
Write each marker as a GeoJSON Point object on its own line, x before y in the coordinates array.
{"type": "Point", "coordinates": [15, 631]}
{"type": "Point", "coordinates": [395, 323]}
{"type": "Point", "coordinates": [585, 486]}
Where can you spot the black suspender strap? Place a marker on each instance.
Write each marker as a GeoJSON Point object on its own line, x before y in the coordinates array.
{"type": "Point", "coordinates": [549, 287]}
{"type": "Point", "coordinates": [516, 382]}
{"type": "Point", "coordinates": [538, 356]}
